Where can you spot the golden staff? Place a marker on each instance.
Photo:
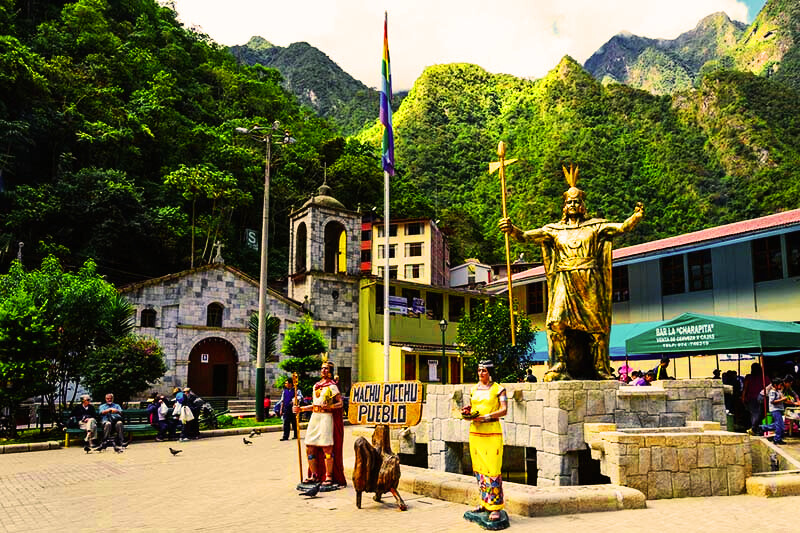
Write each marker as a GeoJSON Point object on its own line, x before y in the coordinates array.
{"type": "Point", "coordinates": [502, 164]}
{"type": "Point", "coordinates": [297, 421]}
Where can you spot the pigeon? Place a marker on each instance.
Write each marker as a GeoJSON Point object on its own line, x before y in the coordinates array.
{"type": "Point", "coordinates": [174, 452]}
{"type": "Point", "coordinates": [87, 449]}
{"type": "Point", "coordinates": [244, 439]}
{"type": "Point", "coordinates": [312, 492]}
{"type": "Point", "coordinates": [255, 433]}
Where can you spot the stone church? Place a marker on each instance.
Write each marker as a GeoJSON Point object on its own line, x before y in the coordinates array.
{"type": "Point", "coordinates": [200, 316]}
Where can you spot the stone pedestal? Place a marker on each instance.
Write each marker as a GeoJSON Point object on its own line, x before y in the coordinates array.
{"type": "Point", "coordinates": [551, 417]}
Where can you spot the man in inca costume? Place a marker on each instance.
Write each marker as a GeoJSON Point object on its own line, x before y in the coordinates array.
{"type": "Point", "coordinates": [576, 252]}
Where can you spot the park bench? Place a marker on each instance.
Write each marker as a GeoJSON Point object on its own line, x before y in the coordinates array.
{"type": "Point", "coordinates": [133, 421]}
{"type": "Point", "coordinates": [210, 418]}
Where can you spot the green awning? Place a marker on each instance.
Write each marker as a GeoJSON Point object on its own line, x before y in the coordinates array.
{"type": "Point", "coordinates": [692, 333]}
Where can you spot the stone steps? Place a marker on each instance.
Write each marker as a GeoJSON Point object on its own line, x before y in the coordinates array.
{"type": "Point", "coordinates": [524, 500]}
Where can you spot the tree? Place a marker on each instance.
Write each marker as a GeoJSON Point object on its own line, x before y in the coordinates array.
{"type": "Point", "coordinates": [25, 341]}
{"type": "Point", "coordinates": [205, 181]}
{"type": "Point", "coordinates": [303, 344]}
{"type": "Point", "coordinates": [81, 308]}
{"type": "Point", "coordinates": [273, 324]}
{"type": "Point", "coordinates": [124, 368]}
{"type": "Point", "coordinates": [485, 333]}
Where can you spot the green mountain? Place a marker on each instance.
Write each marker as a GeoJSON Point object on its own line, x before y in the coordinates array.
{"type": "Point", "coordinates": [724, 152]}
{"type": "Point", "coordinates": [770, 47]}
{"type": "Point", "coordinates": [316, 80]}
{"type": "Point", "coordinates": [663, 66]}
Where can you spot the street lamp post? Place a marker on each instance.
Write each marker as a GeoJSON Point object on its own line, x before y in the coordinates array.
{"type": "Point", "coordinates": [263, 135]}
{"type": "Point", "coordinates": [443, 327]}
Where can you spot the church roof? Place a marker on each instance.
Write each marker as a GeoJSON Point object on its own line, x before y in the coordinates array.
{"type": "Point", "coordinates": [324, 198]}
{"type": "Point", "coordinates": [213, 266]}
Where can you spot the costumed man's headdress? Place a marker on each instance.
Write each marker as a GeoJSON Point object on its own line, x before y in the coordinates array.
{"type": "Point", "coordinates": [571, 176]}
{"type": "Point", "coordinates": [486, 363]}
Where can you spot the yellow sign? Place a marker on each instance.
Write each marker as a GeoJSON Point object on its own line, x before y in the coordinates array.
{"type": "Point", "coordinates": [393, 403]}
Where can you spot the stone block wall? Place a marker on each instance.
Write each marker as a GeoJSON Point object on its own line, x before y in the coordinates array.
{"type": "Point", "coordinates": [673, 462]}
{"type": "Point", "coordinates": [550, 417]}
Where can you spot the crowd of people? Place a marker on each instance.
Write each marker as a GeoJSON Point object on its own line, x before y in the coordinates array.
{"type": "Point", "coordinates": [757, 402]}
{"type": "Point", "coordinates": [176, 418]}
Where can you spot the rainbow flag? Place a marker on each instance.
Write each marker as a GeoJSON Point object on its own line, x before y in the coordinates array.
{"type": "Point", "coordinates": [386, 108]}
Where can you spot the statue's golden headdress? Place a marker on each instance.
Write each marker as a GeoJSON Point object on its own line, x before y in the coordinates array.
{"type": "Point", "coordinates": [571, 176]}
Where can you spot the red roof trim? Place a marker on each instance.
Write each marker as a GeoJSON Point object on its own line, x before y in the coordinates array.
{"type": "Point", "coordinates": [718, 233]}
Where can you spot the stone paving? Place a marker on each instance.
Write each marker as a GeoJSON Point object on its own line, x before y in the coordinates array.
{"type": "Point", "coordinates": [220, 484]}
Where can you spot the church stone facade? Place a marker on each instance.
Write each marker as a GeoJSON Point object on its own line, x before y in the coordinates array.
{"type": "Point", "coordinates": [200, 316]}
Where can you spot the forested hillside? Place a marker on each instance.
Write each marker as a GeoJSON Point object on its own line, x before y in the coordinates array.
{"type": "Point", "coordinates": [117, 142]}
{"type": "Point", "coordinates": [316, 80]}
{"type": "Point", "coordinates": [727, 151]}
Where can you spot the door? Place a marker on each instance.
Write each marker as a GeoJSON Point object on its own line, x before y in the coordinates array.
{"type": "Point", "coordinates": [212, 368]}
{"type": "Point", "coordinates": [219, 380]}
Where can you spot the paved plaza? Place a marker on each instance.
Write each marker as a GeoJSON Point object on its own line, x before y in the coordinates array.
{"type": "Point", "coordinates": [220, 484]}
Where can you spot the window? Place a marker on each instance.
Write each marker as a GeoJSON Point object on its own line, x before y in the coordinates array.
{"type": "Point", "coordinates": [619, 284]}
{"type": "Point", "coordinates": [392, 272]}
{"type": "Point", "coordinates": [214, 315]}
{"type": "Point", "coordinates": [366, 256]}
{"type": "Point", "coordinates": [414, 271]}
{"type": "Point", "coordinates": [793, 253]}
{"type": "Point", "coordinates": [414, 228]}
{"type": "Point", "coordinates": [382, 253]}
{"type": "Point", "coordinates": [767, 258]}
{"type": "Point", "coordinates": [392, 230]}
{"type": "Point", "coordinates": [300, 248]}
{"type": "Point", "coordinates": [537, 298]}
{"type": "Point", "coordinates": [700, 278]}
{"type": "Point", "coordinates": [379, 299]}
{"type": "Point", "coordinates": [456, 310]}
{"type": "Point", "coordinates": [148, 318]}
{"type": "Point", "coordinates": [672, 280]}
{"type": "Point", "coordinates": [435, 305]}
{"type": "Point", "coordinates": [334, 338]}
{"type": "Point", "coordinates": [413, 249]}
{"type": "Point", "coordinates": [366, 234]}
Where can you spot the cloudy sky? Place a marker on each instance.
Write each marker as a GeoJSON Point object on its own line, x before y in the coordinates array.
{"type": "Point", "coordinates": [525, 38]}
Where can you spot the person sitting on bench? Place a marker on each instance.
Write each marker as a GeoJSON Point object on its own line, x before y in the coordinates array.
{"type": "Point", "coordinates": [85, 415]}
{"type": "Point", "coordinates": [112, 420]}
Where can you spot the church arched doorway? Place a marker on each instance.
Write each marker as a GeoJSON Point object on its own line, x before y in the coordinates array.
{"type": "Point", "coordinates": [212, 368]}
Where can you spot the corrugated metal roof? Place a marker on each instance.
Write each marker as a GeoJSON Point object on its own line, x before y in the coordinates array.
{"type": "Point", "coordinates": [680, 243]}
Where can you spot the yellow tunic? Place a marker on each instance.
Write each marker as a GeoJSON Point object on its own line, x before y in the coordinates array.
{"type": "Point", "coordinates": [486, 446]}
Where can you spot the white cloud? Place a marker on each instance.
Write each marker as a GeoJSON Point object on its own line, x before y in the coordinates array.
{"type": "Point", "coordinates": [521, 37]}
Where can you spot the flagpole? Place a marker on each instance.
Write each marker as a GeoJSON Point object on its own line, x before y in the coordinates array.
{"type": "Point", "coordinates": [388, 171]}
{"type": "Point", "coordinates": [386, 322]}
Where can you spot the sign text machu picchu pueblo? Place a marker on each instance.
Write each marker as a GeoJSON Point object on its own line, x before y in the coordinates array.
{"type": "Point", "coordinates": [393, 403]}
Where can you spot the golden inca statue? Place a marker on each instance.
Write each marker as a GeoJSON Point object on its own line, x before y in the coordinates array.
{"type": "Point", "coordinates": [576, 252]}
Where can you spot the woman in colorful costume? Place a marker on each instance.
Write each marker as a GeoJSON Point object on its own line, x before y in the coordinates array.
{"type": "Point", "coordinates": [319, 438]}
{"type": "Point", "coordinates": [488, 401]}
